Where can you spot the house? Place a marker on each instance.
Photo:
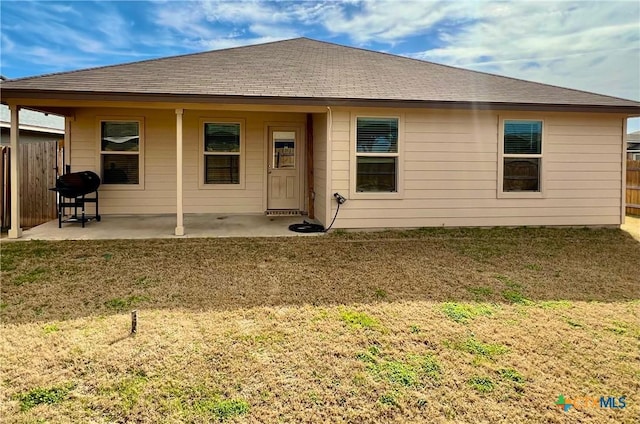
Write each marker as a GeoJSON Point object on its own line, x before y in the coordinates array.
{"type": "Point", "coordinates": [633, 145]}
{"type": "Point", "coordinates": [283, 126]}
{"type": "Point", "coordinates": [34, 126]}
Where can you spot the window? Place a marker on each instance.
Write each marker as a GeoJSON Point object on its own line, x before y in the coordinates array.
{"type": "Point", "coordinates": [284, 150]}
{"type": "Point", "coordinates": [377, 155]}
{"type": "Point", "coordinates": [522, 156]}
{"type": "Point", "coordinates": [120, 152]}
{"type": "Point", "coordinates": [221, 153]}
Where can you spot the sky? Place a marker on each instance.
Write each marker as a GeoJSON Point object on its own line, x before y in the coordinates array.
{"type": "Point", "coordinates": [586, 45]}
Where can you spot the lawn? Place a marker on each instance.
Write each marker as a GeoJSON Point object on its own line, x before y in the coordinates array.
{"type": "Point", "coordinates": [467, 325]}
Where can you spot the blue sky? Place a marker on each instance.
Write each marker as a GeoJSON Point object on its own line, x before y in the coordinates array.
{"type": "Point", "coordinates": [587, 45]}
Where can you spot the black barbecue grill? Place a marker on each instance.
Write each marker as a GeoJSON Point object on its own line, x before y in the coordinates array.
{"type": "Point", "coordinates": [73, 189]}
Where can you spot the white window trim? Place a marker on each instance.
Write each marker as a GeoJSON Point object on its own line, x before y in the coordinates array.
{"type": "Point", "coordinates": [501, 155]}
{"type": "Point", "coordinates": [202, 153]}
{"type": "Point", "coordinates": [141, 129]}
{"type": "Point", "coordinates": [353, 159]}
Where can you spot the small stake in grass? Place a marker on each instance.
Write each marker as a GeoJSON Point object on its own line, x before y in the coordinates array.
{"type": "Point", "coordinates": [134, 321]}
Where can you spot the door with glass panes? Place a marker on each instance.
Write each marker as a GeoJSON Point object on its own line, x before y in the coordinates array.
{"type": "Point", "coordinates": [283, 168]}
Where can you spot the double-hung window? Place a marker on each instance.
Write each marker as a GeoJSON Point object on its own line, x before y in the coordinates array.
{"type": "Point", "coordinates": [222, 152]}
{"type": "Point", "coordinates": [522, 156]}
{"type": "Point", "coordinates": [377, 155]}
{"type": "Point", "coordinates": [120, 147]}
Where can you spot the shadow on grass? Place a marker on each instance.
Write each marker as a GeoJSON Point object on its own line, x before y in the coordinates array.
{"type": "Point", "coordinates": [45, 281]}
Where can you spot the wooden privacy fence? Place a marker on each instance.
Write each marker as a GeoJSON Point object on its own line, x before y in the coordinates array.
{"type": "Point", "coordinates": [38, 170]}
{"type": "Point", "coordinates": [633, 187]}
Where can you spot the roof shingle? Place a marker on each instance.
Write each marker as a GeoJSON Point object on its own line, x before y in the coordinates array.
{"type": "Point", "coordinates": [304, 68]}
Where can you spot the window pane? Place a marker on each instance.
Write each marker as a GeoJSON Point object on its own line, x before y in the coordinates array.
{"type": "Point", "coordinates": [523, 137]}
{"type": "Point", "coordinates": [284, 149]}
{"type": "Point", "coordinates": [120, 169]}
{"type": "Point", "coordinates": [376, 174]}
{"type": "Point", "coordinates": [284, 154]}
{"type": "Point", "coordinates": [222, 137]}
{"type": "Point", "coordinates": [222, 169]}
{"type": "Point", "coordinates": [120, 136]}
{"type": "Point", "coordinates": [377, 135]}
{"type": "Point", "coordinates": [521, 174]}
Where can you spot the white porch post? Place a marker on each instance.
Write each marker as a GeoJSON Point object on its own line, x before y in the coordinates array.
{"type": "Point", "coordinates": [67, 145]}
{"type": "Point", "coordinates": [15, 231]}
{"type": "Point", "coordinates": [179, 213]}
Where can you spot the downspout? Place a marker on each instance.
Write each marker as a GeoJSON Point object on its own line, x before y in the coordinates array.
{"type": "Point", "coordinates": [179, 211]}
{"type": "Point", "coordinates": [623, 192]}
{"type": "Point", "coordinates": [329, 167]}
{"type": "Point", "coordinates": [310, 171]}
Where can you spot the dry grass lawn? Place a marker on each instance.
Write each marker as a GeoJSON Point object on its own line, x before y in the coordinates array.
{"type": "Point", "coordinates": [464, 325]}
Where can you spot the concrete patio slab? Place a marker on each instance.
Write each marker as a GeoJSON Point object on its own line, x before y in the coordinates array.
{"type": "Point", "coordinates": [162, 226]}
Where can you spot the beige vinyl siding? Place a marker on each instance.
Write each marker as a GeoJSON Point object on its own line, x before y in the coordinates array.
{"type": "Point", "coordinates": [320, 167]}
{"type": "Point", "coordinates": [340, 158]}
{"type": "Point", "coordinates": [250, 199]}
{"type": "Point", "coordinates": [451, 171]}
{"type": "Point", "coordinates": [159, 193]}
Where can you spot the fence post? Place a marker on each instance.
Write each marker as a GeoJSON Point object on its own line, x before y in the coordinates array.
{"type": "Point", "coordinates": [633, 187]}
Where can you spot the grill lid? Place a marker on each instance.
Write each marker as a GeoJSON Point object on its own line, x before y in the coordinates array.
{"type": "Point", "coordinates": [77, 184]}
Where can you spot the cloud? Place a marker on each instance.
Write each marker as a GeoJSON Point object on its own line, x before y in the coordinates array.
{"type": "Point", "coordinates": [223, 24]}
{"type": "Point", "coordinates": [590, 46]}
{"type": "Point", "coordinates": [390, 21]}
{"type": "Point", "coordinates": [186, 20]}
{"type": "Point", "coordinates": [226, 43]}
{"type": "Point", "coordinates": [7, 44]}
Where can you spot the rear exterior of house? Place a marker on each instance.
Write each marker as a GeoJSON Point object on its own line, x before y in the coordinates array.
{"type": "Point", "coordinates": [224, 167]}
{"type": "Point", "coordinates": [449, 166]}
{"type": "Point", "coordinates": [456, 169]}
{"type": "Point", "coordinates": [400, 162]}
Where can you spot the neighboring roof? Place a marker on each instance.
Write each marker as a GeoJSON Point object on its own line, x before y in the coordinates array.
{"type": "Point", "coordinates": [633, 141]}
{"type": "Point", "coordinates": [307, 69]}
{"type": "Point", "coordinates": [30, 120]}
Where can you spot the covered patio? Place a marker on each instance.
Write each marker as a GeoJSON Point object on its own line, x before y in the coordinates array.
{"type": "Point", "coordinates": [163, 226]}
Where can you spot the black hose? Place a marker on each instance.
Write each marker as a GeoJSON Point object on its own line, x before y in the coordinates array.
{"type": "Point", "coordinates": [308, 227]}
{"type": "Point", "coordinates": [334, 218]}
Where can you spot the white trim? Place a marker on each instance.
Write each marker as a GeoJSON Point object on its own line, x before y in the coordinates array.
{"type": "Point", "coordinates": [15, 231]}
{"type": "Point", "coordinates": [68, 120]}
{"type": "Point", "coordinates": [328, 203]}
{"type": "Point", "coordinates": [300, 131]}
{"type": "Point", "coordinates": [202, 153]}
{"type": "Point", "coordinates": [34, 128]}
{"type": "Point", "coordinates": [501, 156]}
{"type": "Point", "coordinates": [353, 158]}
{"type": "Point", "coordinates": [179, 231]}
{"type": "Point", "coordinates": [140, 152]}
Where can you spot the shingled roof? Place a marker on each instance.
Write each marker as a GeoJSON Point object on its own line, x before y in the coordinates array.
{"type": "Point", "coordinates": [307, 69]}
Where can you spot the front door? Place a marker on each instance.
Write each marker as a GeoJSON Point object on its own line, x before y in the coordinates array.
{"type": "Point", "coordinates": [283, 169]}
